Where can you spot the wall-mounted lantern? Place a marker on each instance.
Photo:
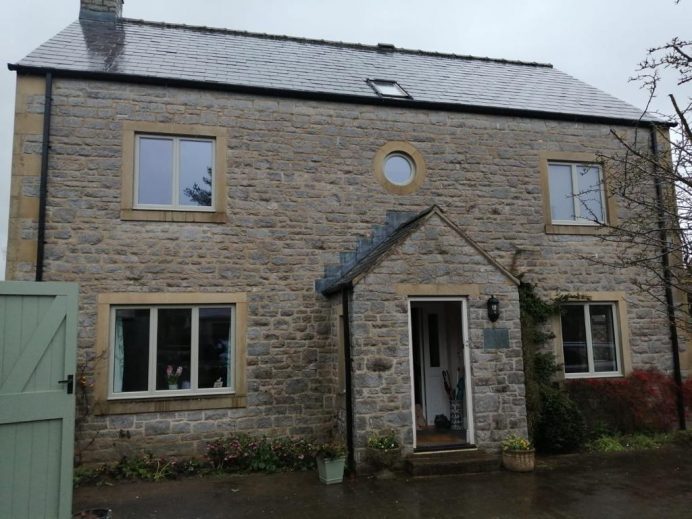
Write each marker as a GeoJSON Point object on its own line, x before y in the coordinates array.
{"type": "Point", "coordinates": [493, 309]}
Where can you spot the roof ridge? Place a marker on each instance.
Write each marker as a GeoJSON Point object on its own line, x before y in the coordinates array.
{"type": "Point", "coordinates": [333, 43]}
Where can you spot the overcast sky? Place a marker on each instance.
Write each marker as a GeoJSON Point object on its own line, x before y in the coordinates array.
{"type": "Point", "coordinates": [598, 41]}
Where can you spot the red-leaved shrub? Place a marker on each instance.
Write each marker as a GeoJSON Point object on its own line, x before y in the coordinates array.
{"type": "Point", "coordinates": [687, 394]}
{"type": "Point", "coordinates": [644, 401]}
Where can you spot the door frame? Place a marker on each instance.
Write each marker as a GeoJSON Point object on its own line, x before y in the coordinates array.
{"type": "Point", "coordinates": [468, 397]}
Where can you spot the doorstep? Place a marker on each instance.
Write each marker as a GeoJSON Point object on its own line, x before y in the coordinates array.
{"type": "Point", "coordinates": [466, 461]}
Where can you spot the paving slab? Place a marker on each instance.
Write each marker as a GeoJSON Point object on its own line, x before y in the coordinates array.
{"type": "Point", "coordinates": [655, 484]}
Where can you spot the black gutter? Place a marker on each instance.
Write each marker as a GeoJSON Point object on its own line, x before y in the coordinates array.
{"type": "Point", "coordinates": [351, 461]}
{"type": "Point", "coordinates": [43, 188]}
{"type": "Point", "coordinates": [337, 98]}
{"type": "Point", "coordinates": [667, 278]}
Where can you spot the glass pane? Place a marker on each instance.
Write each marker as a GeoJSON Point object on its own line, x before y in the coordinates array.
{"type": "Point", "coordinates": [434, 341]}
{"type": "Point", "coordinates": [174, 331]}
{"type": "Point", "coordinates": [574, 339]}
{"type": "Point", "coordinates": [561, 198]}
{"type": "Point", "coordinates": [196, 173]}
{"type": "Point", "coordinates": [398, 169]}
{"type": "Point", "coordinates": [155, 184]}
{"type": "Point", "coordinates": [214, 347]}
{"type": "Point", "coordinates": [131, 350]}
{"type": "Point", "coordinates": [590, 196]}
{"type": "Point", "coordinates": [389, 89]}
{"type": "Point", "coordinates": [603, 338]}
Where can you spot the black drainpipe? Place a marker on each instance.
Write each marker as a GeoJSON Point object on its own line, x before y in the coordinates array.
{"type": "Point", "coordinates": [670, 304]}
{"type": "Point", "coordinates": [351, 462]}
{"type": "Point", "coordinates": [43, 189]}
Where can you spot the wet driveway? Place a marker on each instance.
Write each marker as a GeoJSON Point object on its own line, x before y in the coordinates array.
{"type": "Point", "coordinates": [656, 484]}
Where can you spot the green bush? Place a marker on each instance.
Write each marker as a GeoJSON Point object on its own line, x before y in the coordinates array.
{"type": "Point", "coordinates": [605, 444]}
{"type": "Point", "coordinates": [560, 427]}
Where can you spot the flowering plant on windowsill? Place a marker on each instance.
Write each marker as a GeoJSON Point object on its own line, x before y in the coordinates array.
{"type": "Point", "coordinates": [173, 376]}
{"type": "Point", "coordinates": [516, 443]}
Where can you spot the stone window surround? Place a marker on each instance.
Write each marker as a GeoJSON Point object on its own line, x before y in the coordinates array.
{"type": "Point", "coordinates": [610, 207]}
{"type": "Point", "coordinates": [622, 331]}
{"type": "Point", "coordinates": [130, 129]}
{"type": "Point", "coordinates": [178, 403]}
{"type": "Point", "coordinates": [410, 151]}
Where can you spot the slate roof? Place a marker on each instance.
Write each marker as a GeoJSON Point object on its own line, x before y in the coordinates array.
{"type": "Point", "coordinates": [139, 50]}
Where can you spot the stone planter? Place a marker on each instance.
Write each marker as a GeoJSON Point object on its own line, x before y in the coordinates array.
{"type": "Point", "coordinates": [383, 458]}
{"type": "Point", "coordinates": [519, 461]}
{"type": "Point", "coordinates": [331, 470]}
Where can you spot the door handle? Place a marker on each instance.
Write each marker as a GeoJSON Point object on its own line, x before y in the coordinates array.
{"type": "Point", "coordinates": [70, 383]}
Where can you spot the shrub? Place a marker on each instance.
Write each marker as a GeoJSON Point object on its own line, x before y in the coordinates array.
{"type": "Point", "coordinates": [605, 444]}
{"type": "Point", "coordinates": [384, 440]}
{"type": "Point", "coordinates": [644, 401]}
{"type": "Point", "coordinates": [241, 452]}
{"type": "Point", "coordinates": [560, 426]}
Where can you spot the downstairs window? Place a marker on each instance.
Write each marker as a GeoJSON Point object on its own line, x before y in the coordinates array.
{"type": "Point", "coordinates": [159, 351]}
{"type": "Point", "coordinates": [590, 340]}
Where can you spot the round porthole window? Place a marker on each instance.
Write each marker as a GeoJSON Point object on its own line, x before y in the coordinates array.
{"type": "Point", "coordinates": [399, 167]}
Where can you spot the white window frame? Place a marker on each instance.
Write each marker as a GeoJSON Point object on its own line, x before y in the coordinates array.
{"type": "Point", "coordinates": [591, 373]}
{"type": "Point", "coordinates": [175, 204]}
{"type": "Point", "coordinates": [576, 191]}
{"type": "Point", "coordinates": [152, 392]}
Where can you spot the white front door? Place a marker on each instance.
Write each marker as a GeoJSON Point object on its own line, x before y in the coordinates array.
{"type": "Point", "coordinates": [434, 360]}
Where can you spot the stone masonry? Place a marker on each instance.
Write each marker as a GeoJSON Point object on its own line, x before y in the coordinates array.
{"type": "Point", "coordinates": [382, 398]}
{"type": "Point", "coordinates": [300, 190]}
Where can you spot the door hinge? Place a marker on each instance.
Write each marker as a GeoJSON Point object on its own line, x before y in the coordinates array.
{"type": "Point", "coordinates": [70, 383]}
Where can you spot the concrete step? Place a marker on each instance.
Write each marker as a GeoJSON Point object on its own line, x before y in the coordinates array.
{"type": "Point", "coordinates": [469, 461]}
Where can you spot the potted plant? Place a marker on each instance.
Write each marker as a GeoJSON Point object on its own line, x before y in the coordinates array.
{"type": "Point", "coordinates": [172, 376]}
{"type": "Point", "coordinates": [331, 459]}
{"type": "Point", "coordinates": [518, 455]}
{"type": "Point", "coordinates": [384, 449]}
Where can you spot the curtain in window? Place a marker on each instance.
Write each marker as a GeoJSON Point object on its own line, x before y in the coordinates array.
{"type": "Point", "coordinates": [118, 356]}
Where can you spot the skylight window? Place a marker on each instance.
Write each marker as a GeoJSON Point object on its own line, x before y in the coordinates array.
{"type": "Point", "coordinates": [386, 88]}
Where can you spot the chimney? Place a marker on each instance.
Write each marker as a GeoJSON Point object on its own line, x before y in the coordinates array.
{"type": "Point", "coordinates": [101, 10]}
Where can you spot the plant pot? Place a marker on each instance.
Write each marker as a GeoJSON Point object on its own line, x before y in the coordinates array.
{"type": "Point", "coordinates": [383, 458]}
{"type": "Point", "coordinates": [519, 461]}
{"type": "Point", "coordinates": [173, 386]}
{"type": "Point", "coordinates": [331, 470]}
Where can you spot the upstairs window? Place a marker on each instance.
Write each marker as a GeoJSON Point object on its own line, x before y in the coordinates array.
{"type": "Point", "coordinates": [174, 173]}
{"type": "Point", "coordinates": [576, 193]}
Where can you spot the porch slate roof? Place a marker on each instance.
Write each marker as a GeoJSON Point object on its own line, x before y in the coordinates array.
{"type": "Point", "coordinates": [136, 51]}
{"type": "Point", "coordinates": [356, 270]}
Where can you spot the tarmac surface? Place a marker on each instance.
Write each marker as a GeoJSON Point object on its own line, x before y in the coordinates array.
{"type": "Point", "coordinates": [655, 484]}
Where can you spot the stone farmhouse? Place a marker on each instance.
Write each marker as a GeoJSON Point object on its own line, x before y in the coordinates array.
{"type": "Point", "coordinates": [280, 236]}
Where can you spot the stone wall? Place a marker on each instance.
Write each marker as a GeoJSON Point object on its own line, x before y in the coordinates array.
{"type": "Point", "coordinates": [301, 188]}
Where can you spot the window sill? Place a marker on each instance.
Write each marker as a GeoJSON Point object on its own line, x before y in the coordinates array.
{"type": "Point", "coordinates": [162, 405]}
{"type": "Point", "coordinates": [581, 376]}
{"type": "Point", "coordinates": [149, 215]}
{"type": "Point", "coordinates": [576, 229]}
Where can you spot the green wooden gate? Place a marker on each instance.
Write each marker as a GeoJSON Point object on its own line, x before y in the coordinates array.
{"type": "Point", "coordinates": [38, 339]}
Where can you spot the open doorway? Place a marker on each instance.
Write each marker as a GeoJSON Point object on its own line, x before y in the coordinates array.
{"type": "Point", "coordinates": [441, 374]}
